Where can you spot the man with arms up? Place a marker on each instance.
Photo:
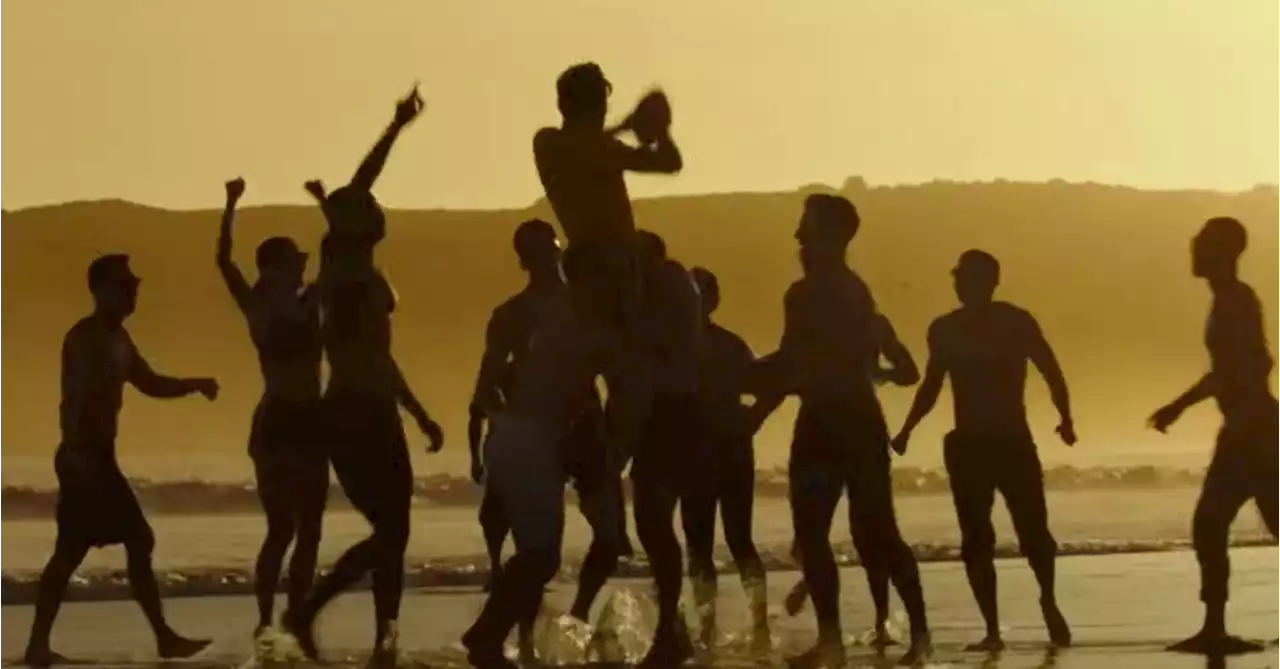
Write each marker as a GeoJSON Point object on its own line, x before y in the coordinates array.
{"type": "Point", "coordinates": [984, 346]}
{"type": "Point", "coordinates": [1244, 465]}
{"type": "Point", "coordinates": [361, 403]}
{"type": "Point", "coordinates": [96, 506]}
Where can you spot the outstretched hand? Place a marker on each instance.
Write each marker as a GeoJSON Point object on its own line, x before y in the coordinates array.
{"type": "Point", "coordinates": [316, 189]}
{"type": "Point", "coordinates": [899, 443]}
{"type": "Point", "coordinates": [409, 107]}
{"type": "Point", "coordinates": [235, 189]}
{"type": "Point", "coordinates": [206, 387]}
{"type": "Point", "coordinates": [1164, 417]}
{"type": "Point", "coordinates": [435, 435]}
{"type": "Point", "coordinates": [1067, 430]}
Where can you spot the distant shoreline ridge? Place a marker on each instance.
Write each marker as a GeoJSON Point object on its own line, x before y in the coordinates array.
{"type": "Point", "coordinates": [199, 497]}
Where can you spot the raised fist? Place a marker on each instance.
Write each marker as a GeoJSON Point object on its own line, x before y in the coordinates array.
{"type": "Point", "coordinates": [235, 188]}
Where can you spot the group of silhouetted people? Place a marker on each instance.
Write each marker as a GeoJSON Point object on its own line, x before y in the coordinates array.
{"type": "Point", "coordinates": [613, 306]}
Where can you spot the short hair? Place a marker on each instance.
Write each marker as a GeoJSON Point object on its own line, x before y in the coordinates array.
{"type": "Point", "coordinates": [979, 264]}
{"type": "Point", "coordinates": [834, 213]}
{"type": "Point", "coordinates": [349, 209]}
{"type": "Point", "coordinates": [1227, 234]}
{"type": "Point", "coordinates": [651, 244]}
{"type": "Point", "coordinates": [108, 269]}
{"type": "Point", "coordinates": [582, 89]}
{"type": "Point", "coordinates": [706, 280]}
{"type": "Point", "coordinates": [527, 234]}
{"type": "Point", "coordinates": [275, 250]}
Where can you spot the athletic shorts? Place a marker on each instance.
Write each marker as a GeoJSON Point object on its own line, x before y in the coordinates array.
{"type": "Point", "coordinates": [525, 470]}
{"type": "Point", "coordinates": [370, 457]}
{"type": "Point", "coordinates": [96, 505]}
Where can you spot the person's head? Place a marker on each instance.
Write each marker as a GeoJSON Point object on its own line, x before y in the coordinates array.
{"type": "Point", "coordinates": [355, 213]}
{"type": "Point", "coordinates": [1215, 251]}
{"type": "Point", "coordinates": [593, 298]}
{"type": "Point", "coordinates": [708, 288]}
{"type": "Point", "coordinates": [113, 285]}
{"type": "Point", "coordinates": [976, 276]}
{"type": "Point", "coordinates": [828, 224]}
{"type": "Point", "coordinates": [651, 249]}
{"type": "Point", "coordinates": [582, 94]}
{"type": "Point", "coordinates": [537, 246]}
{"type": "Point", "coordinates": [281, 263]}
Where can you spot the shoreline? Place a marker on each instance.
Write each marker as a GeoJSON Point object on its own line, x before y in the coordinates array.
{"type": "Point", "coordinates": [19, 588]}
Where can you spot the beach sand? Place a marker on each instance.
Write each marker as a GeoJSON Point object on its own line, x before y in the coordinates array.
{"type": "Point", "coordinates": [1124, 609]}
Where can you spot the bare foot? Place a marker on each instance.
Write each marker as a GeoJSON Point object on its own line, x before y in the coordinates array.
{"type": "Point", "coordinates": [919, 651]}
{"type": "Point", "coordinates": [1059, 632]}
{"type": "Point", "coordinates": [990, 644]}
{"type": "Point", "coordinates": [528, 656]}
{"type": "Point", "coordinates": [179, 647]}
{"type": "Point", "coordinates": [484, 656]}
{"type": "Point", "coordinates": [302, 626]}
{"type": "Point", "coordinates": [796, 599]}
{"type": "Point", "coordinates": [1205, 643]}
{"type": "Point", "coordinates": [882, 640]}
{"type": "Point", "coordinates": [761, 640]}
{"type": "Point", "coordinates": [43, 658]}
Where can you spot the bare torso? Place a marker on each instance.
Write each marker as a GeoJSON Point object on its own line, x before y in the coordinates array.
{"type": "Point", "coordinates": [584, 183]}
{"type": "Point", "coordinates": [986, 350]}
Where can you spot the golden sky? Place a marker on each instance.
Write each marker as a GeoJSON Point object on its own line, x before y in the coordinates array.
{"type": "Point", "coordinates": [159, 102]}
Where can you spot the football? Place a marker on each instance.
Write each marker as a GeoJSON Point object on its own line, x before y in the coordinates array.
{"type": "Point", "coordinates": [652, 117]}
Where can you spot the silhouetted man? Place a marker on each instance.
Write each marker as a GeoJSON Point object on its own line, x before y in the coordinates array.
{"type": "Point", "coordinates": [290, 465]}
{"type": "Point", "coordinates": [573, 342]}
{"type": "Point", "coordinates": [724, 361]}
{"type": "Point", "coordinates": [831, 344]}
{"type": "Point", "coordinates": [361, 403]}
{"type": "Point", "coordinates": [96, 506]}
{"type": "Point", "coordinates": [672, 460]}
{"type": "Point", "coordinates": [581, 165]}
{"type": "Point", "coordinates": [508, 336]}
{"type": "Point", "coordinates": [984, 346]}
{"type": "Point", "coordinates": [1244, 464]}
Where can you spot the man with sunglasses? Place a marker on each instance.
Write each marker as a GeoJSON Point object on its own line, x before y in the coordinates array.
{"type": "Point", "coordinates": [96, 506]}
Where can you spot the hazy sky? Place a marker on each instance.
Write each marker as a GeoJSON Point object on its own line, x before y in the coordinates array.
{"type": "Point", "coordinates": [159, 102]}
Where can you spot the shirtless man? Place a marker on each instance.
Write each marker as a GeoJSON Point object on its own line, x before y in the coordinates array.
{"type": "Point", "coordinates": [724, 360]}
{"type": "Point", "coordinates": [96, 506]}
{"type": "Point", "coordinates": [582, 163]}
{"type": "Point", "coordinates": [573, 342]}
{"type": "Point", "coordinates": [362, 400]}
{"type": "Point", "coordinates": [289, 462]}
{"type": "Point", "coordinates": [507, 339]}
{"type": "Point", "coordinates": [985, 346]}
{"type": "Point", "coordinates": [1244, 465]}
{"type": "Point", "coordinates": [672, 459]}
{"type": "Point", "coordinates": [831, 343]}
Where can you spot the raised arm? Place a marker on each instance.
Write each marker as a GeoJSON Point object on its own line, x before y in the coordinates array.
{"type": "Point", "coordinates": [406, 111]}
{"type": "Point", "coordinates": [150, 383]}
{"type": "Point", "coordinates": [1046, 363]}
{"type": "Point", "coordinates": [660, 157]}
{"type": "Point", "coordinates": [231, 275]}
{"type": "Point", "coordinates": [935, 372]}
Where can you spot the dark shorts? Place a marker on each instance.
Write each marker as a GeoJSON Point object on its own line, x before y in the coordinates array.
{"type": "Point", "coordinates": [584, 452]}
{"type": "Point", "coordinates": [285, 428]}
{"type": "Point", "coordinates": [369, 453]}
{"type": "Point", "coordinates": [674, 451]}
{"type": "Point", "coordinates": [96, 506]}
{"type": "Point", "coordinates": [615, 266]}
{"type": "Point", "coordinates": [979, 466]}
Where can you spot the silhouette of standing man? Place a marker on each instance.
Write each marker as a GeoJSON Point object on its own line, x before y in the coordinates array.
{"type": "Point", "coordinates": [832, 342]}
{"type": "Point", "coordinates": [1244, 465]}
{"type": "Point", "coordinates": [362, 400]}
{"type": "Point", "coordinates": [96, 506]}
{"type": "Point", "coordinates": [984, 346]}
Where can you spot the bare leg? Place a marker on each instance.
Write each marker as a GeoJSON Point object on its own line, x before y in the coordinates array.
{"type": "Point", "coordinates": [67, 556]}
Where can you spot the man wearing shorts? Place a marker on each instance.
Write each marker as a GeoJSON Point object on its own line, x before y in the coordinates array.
{"type": "Point", "coordinates": [96, 506]}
